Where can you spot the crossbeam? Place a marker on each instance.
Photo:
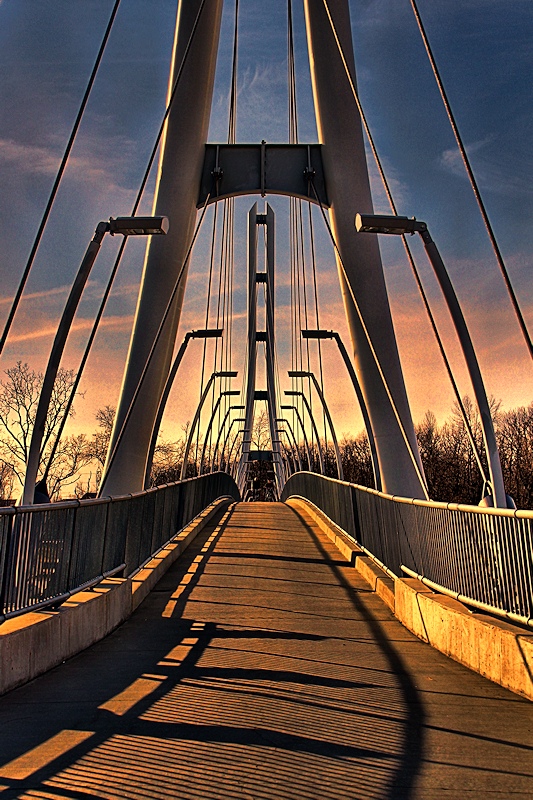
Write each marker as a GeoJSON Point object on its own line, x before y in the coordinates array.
{"type": "Point", "coordinates": [240, 169]}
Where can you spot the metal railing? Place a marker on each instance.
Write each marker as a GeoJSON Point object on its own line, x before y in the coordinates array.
{"type": "Point", "coordinates": [48, 552]}
{"type": "Point", "coordinates": [482, 556]}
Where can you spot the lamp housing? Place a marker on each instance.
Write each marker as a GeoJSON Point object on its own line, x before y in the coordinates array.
{"type": "Point", "coordinates": [298, 374]}
{"type": "Point", "coordinates": [138, 226]}
{"type": "Point", "coordinates": [379, 223]}
{"type": "Point", "coordinates": [319, 333]}
{"type": "Point", "coordinates": [207, 333]}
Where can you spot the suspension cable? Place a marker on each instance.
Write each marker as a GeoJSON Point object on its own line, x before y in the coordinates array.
{"type": "Point", "coordinates": [293, 136]}
{"type": "Point", "coordinates": [407, 249]}
{"type": "Point", "coordinates": [227, 267]}
{"type": "Point", "coordinates": [209, 287]}
{"type": "Point", "coordinates": [297, 245]}
{"type": "Point", "coordinates": [315, 294]}
{"type": "Point", "coordinates": [204, 352]}
{"type": "Point", "coordinates": [224, 309]}
{"type": "Point", "coordinates": [122, 247]}
{"type": "Point", "coordinates": [473, 182]}
{"type": "Point", "coordinates": [229, 254]}
{"type": "Point", "coordinates": [300, 249]}
{"type": "Point", "coordinates": [57, 181]}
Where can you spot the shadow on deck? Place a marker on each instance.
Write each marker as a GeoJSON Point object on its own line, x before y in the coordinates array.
{"type": "Point", "coordinates": [262, 667]}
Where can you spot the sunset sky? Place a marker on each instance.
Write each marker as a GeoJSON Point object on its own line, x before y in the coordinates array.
{"type": "Point", "coordinates": [485, 55]}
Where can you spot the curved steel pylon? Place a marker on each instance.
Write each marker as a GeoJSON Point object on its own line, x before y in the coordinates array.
{"type": "Point", "coordinates": [340, 165]}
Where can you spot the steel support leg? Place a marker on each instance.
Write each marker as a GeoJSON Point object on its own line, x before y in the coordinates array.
{"type": "Point", "coordinates": [270, 350]}
{"type": "Point", "coordinates": [251, 347]}
{"type": "Point", "coordinates": [346, 173]}
{"type": "Point", "coordinates": [176, 196]}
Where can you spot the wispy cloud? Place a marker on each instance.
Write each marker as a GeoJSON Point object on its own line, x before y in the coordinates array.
{"type": "Point", "coordinates": [487, 169]}
{"type": "Point", "coordinates": [452, 160]}
{"type": "Point", "coordinates": [116, 323]}
{"type": "Point", "coordinates": [92, 164]}
{"type": "Point", "coordinates": [261, 103]}
{"type": "Point", "coordinates": [37, 295]}
{"type": "Point", "coordinates": [29, 158]}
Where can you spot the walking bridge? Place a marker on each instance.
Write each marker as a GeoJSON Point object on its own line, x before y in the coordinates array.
{"type": "Point", "coordinates": [186, 643]}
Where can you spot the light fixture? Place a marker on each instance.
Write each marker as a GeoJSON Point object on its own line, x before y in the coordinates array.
{"type": "Point", "coordinates": [379, 223]}
{"type": "Point", "coordinates": [196, 419]}
{"type": "Point", "coordinates": [322, 334]}
{"type": "Point", "coordinates": [295, 393]}
{"type": "Point", "coordinates": [138, 226]}
{"type": "Point", "coordinates": [311, 375]}
{"type": "Point", "coordinates": [201, 333]}
{"type": "Point", "coordinates": [372, 223]}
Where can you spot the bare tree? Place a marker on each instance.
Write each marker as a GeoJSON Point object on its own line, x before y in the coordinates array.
{"type": "Point", "coordinates": [98, 446]}
{"type": "Point", "coordinates": [356, 460]}
{"type": "Point", "coordinates": [105, 417]}
{"type": "Point", "coordinates": [515, 443]}
{"type": "Point", "coordinates": [19, 396]}
{"type": "Point", "coordinates": [168, 458]}
{"type": "Point", "coordinates": [261, 431]}
{"type": "Point", "coordinates": [7, 481]}
{"type": "Point", "coordinates": [71, 456]}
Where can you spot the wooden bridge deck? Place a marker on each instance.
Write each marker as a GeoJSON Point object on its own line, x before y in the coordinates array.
{"type": "Point", "coordinates": [262, 667]}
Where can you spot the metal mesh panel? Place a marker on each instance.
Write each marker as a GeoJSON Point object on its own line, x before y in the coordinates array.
{"type": "Point", "coordinates": [116, 533]}
{"type": "Point", "coordinates": [48, 551]}
{"type": "Point", "coordinates": [87, 552]}
{"type": "Point", "coordinates": [134, 550]}
{"type": "Point", "coordinates": [485, 555]}
{"type": "Point", "coordinates": [159, 531]}
{"type": "Point", "coordinates": [38, 569]}
{"type": "Point", "coordinates": [6, 526]}
{"type": "Point", "coordinates": [148, 506]}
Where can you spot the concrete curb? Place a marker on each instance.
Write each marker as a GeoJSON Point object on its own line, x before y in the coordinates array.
{"type": "Point", "coordinates": [38, 641]}
{"type": "Point", "coordinates": [496, 649]}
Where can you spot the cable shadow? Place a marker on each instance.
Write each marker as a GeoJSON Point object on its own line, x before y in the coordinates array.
{"type": "Point", "coordinates": [278, 715]}
{"type": "Point", "coordinates": [116, 648]}
{"type": "Point", "coordinates": [403, 782]}
{"type": "Point", "coordinates": [167, 671]}
{"type": "Point", "coordinates": [290, 559]}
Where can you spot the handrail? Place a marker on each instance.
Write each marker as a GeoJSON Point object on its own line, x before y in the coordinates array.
{"type": "Point", "coordinates": [497, 512]}
{"type": "Point", "coordinates": [48, 551]}
{"type": "Point", "coordinates": [60, 599]}
{"type": "Point", "coordinates": [482, 555]}
{"type": "Point", "coordinates": [508, 615]}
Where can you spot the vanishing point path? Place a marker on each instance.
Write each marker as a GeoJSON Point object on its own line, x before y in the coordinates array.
{"type": "Point", "coordinates": [263, 667]}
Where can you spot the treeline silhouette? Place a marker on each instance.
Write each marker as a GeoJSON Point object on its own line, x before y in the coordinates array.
{"type": "Point", "coordinates": [450, 465]}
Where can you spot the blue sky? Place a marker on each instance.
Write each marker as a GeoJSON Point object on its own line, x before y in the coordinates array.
{"type": "Point", "coordinates": [485, 56]}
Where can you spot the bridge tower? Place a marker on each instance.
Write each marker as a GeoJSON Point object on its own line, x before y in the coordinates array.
{"type": "Point", "coordinates": [190, 173]}
{"type": "Point", "coordinates": [256, 277]}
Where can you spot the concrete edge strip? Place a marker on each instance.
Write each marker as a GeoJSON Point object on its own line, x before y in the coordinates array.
{"type": "Point", "coordinates": [38, 641]}
{"type": "Point", "coordinates": [145, 578]}
{"type": "Point", "coordinates": [496, 649]}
